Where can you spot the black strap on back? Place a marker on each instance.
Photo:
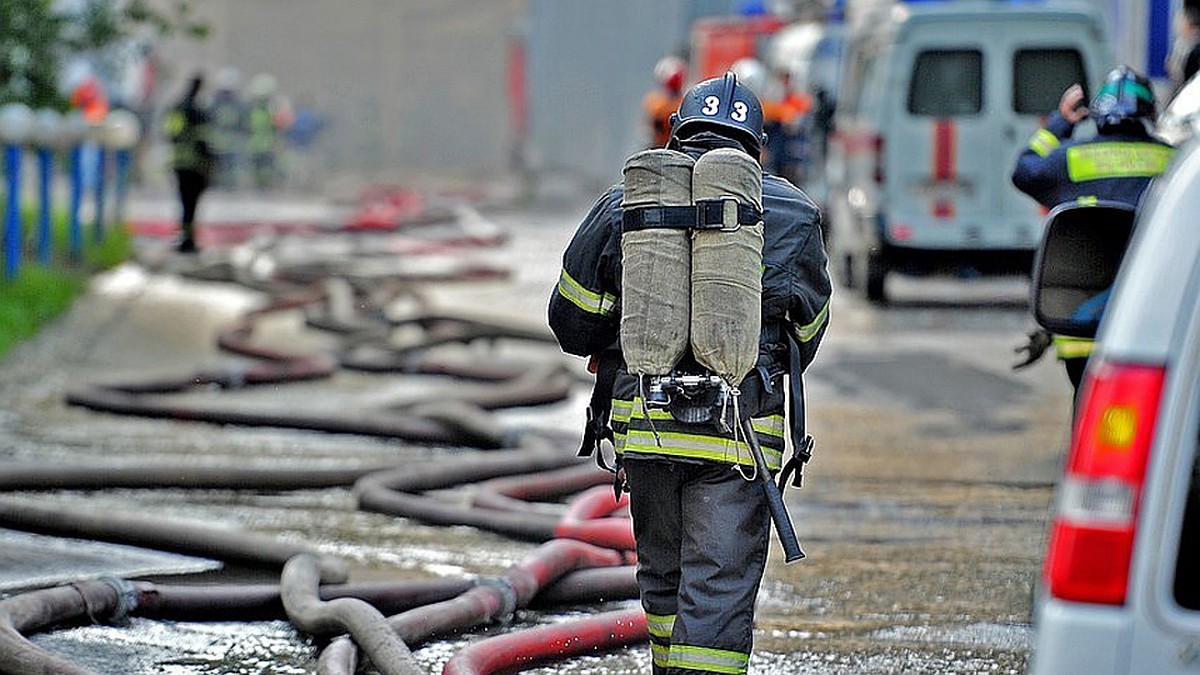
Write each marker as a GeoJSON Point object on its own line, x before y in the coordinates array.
{"type": "Point", "coordinates": [802, 443]}
{"type": "Point", "coordinates": [647, 217]}
{"type": "Point", "coordinates": [706, 214]}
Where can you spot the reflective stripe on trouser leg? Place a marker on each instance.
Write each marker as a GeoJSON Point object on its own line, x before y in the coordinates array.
{"type": "Point", "coordinates": [660, 628]}
{"type": "Point", "coordinates": [655, 507]}
{"type": "Point", "coordinates": [725, 524]}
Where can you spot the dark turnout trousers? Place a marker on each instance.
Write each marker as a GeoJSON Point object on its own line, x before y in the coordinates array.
{"type": "Point", "coordinates": [702, 539]}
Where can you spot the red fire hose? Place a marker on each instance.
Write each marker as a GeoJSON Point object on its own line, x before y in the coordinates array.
{"type": "Point", "coordinates": [525, 649]}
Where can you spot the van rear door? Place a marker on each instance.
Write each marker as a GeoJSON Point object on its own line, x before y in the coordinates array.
{"type": "Point", "coordinates": [978, 86]}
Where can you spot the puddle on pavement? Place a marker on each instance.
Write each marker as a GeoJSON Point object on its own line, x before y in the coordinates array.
{"type": "Point", "coordinates": [33, 561]}
{"type": "Point", "coordinates": [169, 648]}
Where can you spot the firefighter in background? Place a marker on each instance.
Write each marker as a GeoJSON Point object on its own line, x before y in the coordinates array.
{"type": "Point", "coordinates": [262, 144]}
{"type": "Point", "coordinates": [187, 128]}
{"type": "Point", "coordinates": [659, 104]}
{"type": "Point", "coordinates": [701, 527]}
{"type": "Point", "coordinates": [229, 127]}
{"type": "Point", "coordinates": [89, 98]}
{"type": "Point", "coordinates": [1117, 164]}
{"type": "Point", "coordinates": [784, 116]}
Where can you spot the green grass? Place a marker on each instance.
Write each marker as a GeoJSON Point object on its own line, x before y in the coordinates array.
{"type": "Point", "coordinates": [39, 294]}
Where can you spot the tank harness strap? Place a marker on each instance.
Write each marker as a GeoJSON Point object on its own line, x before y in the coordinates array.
{"type": "Point", "coordinates": [727, 213]}
{"type": "Point", "coordinates": [706, 214]}
{"type": "Point", "coordinates": [648, 217]}
{"type": "Point", "coordinates": [802, 443]}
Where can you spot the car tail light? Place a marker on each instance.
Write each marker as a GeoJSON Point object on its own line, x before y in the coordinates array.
{"type": "Point", "coordinates": [1091, 541]}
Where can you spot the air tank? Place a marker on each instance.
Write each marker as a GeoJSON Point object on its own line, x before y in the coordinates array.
{"type": "Point", "coordinates": [657, 266]}
{"type": "Point", "coordinates": [726, 267]}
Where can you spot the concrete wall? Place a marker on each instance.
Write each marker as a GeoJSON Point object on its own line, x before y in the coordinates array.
{"type": "Point", "coordinates": [413, 87]}
{"type": "Point", "coordinates": [590, 64]}
{"type": "Point", "coordinates": [408, 87]}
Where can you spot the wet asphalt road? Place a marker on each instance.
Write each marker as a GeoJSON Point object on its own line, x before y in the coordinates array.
{"type": "Point", "coordinates": [923, 513]}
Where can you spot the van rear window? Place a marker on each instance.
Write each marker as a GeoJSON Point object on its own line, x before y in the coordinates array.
{"type": "Point", "coordinates": [1040, 76]}
{"type": "Point", "coordinates": [946, 83]}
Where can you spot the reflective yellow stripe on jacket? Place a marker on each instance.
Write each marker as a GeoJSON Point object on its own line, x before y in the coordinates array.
{"type": "Point", "coordinates": [1096, 161]}
{"type": "Point", "coordinates": [587, 300]}
{"type": "Point", "coordinates": [664, 436]}
{"type": "Point", "coordinates": [1072, 347]}
{"type": "Point", "coordinates": [1043, 143]}
{"type": "Point", "coordinates": [808, 332]}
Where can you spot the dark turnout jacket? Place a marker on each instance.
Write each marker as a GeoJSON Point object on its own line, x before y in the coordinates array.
{"type": "Point", "coordinates": [1115, 165]}
{"type": "Point", "coordinates": [585, 309]}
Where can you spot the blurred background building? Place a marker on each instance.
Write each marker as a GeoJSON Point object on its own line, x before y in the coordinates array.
{"type": "Point", "coordinates": [550, 88]}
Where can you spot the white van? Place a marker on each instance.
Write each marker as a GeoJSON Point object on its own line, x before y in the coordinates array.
{"type": "Point", "coordinates": [937, 99]}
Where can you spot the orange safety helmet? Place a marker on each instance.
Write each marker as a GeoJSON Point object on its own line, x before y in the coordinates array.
{"type": "Point", "coordinates": [89, 97]}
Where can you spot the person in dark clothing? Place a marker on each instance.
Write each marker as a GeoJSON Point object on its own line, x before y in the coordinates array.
{"type": "Point", "coordinates": [228, 113]}
{"type": "Point", "coordinates": [1115, 165]}
{"type": "Point", "coordinates": [700, 522]}
{"type": "Point", "coordinates": [187, 127]}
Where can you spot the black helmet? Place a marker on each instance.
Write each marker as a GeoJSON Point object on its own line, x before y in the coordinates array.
{"type": "Point", "coordinates": [724, 105]}
{"type": "Point", "coordinates": [1125, 97]}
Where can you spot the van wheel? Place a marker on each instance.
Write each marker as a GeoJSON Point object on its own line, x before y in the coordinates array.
{"type": "Point", "coordinates": [876, 276]}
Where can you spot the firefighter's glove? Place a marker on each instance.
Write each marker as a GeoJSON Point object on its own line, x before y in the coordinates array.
{"type": "Point", "coordinates": [1035, 348]}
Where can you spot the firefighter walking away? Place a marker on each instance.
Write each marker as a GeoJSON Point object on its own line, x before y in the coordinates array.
{"type": "Point", "coordinates": [698, 288]}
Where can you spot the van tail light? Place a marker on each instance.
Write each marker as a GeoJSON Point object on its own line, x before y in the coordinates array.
{"type": "Point", "coordinates": [1091, 540]}
{"type": "Point", "coordinates": [877, 148]}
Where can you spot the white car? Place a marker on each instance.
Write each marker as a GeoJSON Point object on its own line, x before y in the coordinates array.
{"type": "Point", "coordinates": [1121, 585]}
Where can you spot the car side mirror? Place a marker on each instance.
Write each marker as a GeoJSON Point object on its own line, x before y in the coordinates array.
{"type": "Point", "coordinates": [1074, 269]}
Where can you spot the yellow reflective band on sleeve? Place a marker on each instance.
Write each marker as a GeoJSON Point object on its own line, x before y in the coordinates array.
{"type": "Point", "coordinates": [174, 123]}
{"type": "Point", "coordinates": [1090, 200]}
{"type": "Point", "coordinates": [1043, 143]}
{"type": "Point", "coordinates": [1096, 161]}
{"type": "Point", "coordinates": [589, 301]}
{"type": "Point", "coordinates": [708, 660]}
{"type": "Point", "coordinates": [660, 625]}
{"type": "Point", "coordinates": [808, 332]}
{"type": "Point", "coordinates": [1073, 348]}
